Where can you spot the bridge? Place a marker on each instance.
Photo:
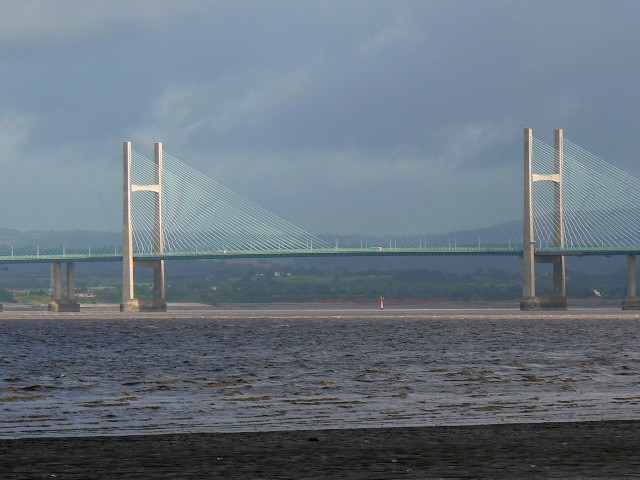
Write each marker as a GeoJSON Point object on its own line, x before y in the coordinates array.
{"type": "Point", "coordinates": [575, 204]}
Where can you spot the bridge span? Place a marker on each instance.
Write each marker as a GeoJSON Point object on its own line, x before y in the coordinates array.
{"type": "Point", "coordinates": [575, 204]}
{"type": "Point", "coordinates": [338, 252]}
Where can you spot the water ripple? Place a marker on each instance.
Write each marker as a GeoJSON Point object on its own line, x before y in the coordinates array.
{"type": "Point", "coordinates": [88, 377]}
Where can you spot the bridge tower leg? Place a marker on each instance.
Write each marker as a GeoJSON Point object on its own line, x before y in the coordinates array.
{"type": "Point", "coordinates": [64, 302]}
{"type": "Point", "coordinates": [129, 264]}
{"type": "Point", "coordinates": [531, 301]}
{"type": "Point", "coordinates": [632, 302]}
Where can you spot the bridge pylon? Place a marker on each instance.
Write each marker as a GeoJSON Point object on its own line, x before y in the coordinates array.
{"type": "Point", "coordinates": [531, 301]}
{"type": "Point", "coordinates": [158, 302]}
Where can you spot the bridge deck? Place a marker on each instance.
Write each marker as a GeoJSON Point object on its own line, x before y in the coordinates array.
{"type": "Point", "coordinates": [339, 252]}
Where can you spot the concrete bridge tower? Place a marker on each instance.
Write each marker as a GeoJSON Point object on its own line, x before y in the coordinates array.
{"type": "Point", "coordinates": [129, 302]}
{"type": "Point", "coordinates": [531, 301]}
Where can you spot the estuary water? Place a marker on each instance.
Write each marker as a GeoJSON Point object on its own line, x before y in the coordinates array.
{"type": "Point", "coordinates": [110, 374]}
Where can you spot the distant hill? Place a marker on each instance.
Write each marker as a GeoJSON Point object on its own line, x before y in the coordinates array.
{"type": "Point", "coordinates": [502, 234]}
{"type": "Point", "coordinates": [56, 238]}
{"type": "Point", "coordinates": [495, 235]}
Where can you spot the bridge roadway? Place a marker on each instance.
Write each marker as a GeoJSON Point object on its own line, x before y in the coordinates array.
{"type": "Point", "coordinates": [319, 253]}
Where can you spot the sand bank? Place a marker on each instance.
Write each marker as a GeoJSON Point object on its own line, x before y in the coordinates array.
{"type": "Point", "coordinates": [549, 450]}
{"type": "Point", "coordinates": [319, 312]}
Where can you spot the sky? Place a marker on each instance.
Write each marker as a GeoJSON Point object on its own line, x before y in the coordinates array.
{"type": "Point", "coordinates": [341, 116]}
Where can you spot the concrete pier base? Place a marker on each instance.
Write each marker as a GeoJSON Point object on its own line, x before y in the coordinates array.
{"type": "Point", "coordinates": [64, 305]}
{"type": "Point", "coordinates": [631, 303]}
{"type": "Point", "coordinates": [144, 305]}
{"type": "Point", "coordinates": [61, 301]}
{"type": "Point", "coordinates": [544, 303]}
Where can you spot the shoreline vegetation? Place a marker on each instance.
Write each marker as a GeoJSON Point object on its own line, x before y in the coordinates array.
{"type": "Point", "coordinates": [568, 450]}
{"type": "Point", "coordinates": [233, 283]}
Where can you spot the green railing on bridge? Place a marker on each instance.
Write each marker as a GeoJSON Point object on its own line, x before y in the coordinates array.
{"type": "Point", "coordinates": [325, 252]}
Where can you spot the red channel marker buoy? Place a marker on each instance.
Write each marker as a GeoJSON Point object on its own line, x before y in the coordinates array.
{"type": "Point", "coordinates": [381, 302]}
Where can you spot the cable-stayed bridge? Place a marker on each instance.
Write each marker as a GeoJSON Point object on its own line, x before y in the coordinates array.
{"type": "Point", "coordinates": [574, 204]}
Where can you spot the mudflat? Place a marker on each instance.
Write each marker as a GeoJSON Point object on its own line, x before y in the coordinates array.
{"type": "Point", "coordinates": [604, 449]}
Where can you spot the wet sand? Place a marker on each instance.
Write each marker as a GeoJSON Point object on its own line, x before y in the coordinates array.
{"type": "Point", "coordinates": [607, 449]}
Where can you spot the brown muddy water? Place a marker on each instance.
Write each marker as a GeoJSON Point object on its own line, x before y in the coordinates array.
{"type": "Point", "coordinates": [103, 373]}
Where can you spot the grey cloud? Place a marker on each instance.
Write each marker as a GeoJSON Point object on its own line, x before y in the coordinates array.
{"type": "Point", "coordinates": [387, 108]}
{"type": "Point", "coordinates": [29, 25]}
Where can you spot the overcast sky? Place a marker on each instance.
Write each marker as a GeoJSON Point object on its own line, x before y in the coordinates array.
{"type": "Point", "coordinates": [339, 116]}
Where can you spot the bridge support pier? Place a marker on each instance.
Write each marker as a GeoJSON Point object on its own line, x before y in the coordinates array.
{"type": "Point", "coordinates": [64, 302]}
{"type": "Point", "coordinates": [632, 302]}
{"type": "Point", "coordinates": [158, 303]}
{"type": "Point", "coordinates": [557, 301]}
{"type": "Point", "coordinates": [530, 301]}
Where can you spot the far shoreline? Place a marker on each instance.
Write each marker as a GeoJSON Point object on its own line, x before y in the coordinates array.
{"type": "Point", "coordinates": [319, 311]}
